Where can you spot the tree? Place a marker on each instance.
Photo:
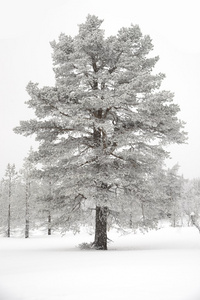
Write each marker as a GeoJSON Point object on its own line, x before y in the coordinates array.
{"type": "Point", "coordinates": [27, 183]}
{"type": "Point", "coordinates": [11, 202]}
{"type": "Point", "coordinates": [174, 186]}
{"type": "Point", "coordinates": [10, 178]}
{"type": "Point", "coordinates": [191, 200]}
{"type": "Point", "coordinates": [105, 120]}
{"type": "Point", "coordinates": [37, 194]}
{"type": "Point", "coordinates": [3, 207]}
{"type": "Point", "coordinates": [45, 199]}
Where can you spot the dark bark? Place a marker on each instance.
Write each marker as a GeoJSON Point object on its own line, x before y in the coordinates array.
{"type": "Point", "coordinates": [97, 137]}
{"type": "Point", "coordinates": [27, 228]}
{"type": "Point", "coordinates": [100, 241]}
{"type": "Point", "coordinates": [8, 233]}
{"type": "Point", "coordinates": [49, 224]}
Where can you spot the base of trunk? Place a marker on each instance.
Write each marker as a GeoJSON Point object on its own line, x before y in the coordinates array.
{"type": "Point", "coordinates": [100, 241]}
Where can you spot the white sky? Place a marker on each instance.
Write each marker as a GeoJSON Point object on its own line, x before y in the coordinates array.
{"type": "Point", "coordinates": [27, 27]}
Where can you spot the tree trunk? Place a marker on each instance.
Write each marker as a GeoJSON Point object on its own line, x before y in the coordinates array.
{"type": "Point", "coordinates": [49, 223]}
{"type": "Point", "coordinates": [143, 214]}
{"type": "Point", "coordinates": [131, 220]}
{"type": "Point", "coordinates": [8, 233]}
{"type": "Point", "coordinates": [174, 217]}
{"type": "Point", "coordinates": [9, 205]}
{"type": "Point", "coordinates": [50, 205]}
{"type": "Point", "coordinates": [27, 228]}
{"type": "Point", "coordinates": [100, 241]}
{"type": "Point", "coordinates": [27, 210]}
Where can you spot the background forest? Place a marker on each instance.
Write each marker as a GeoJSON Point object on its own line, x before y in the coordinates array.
{"type": "Point", "coordinates": [28, 203]}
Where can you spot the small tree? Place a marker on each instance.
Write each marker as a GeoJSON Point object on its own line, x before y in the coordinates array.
{"type": "Point", "coordinates": [191, 199]}
{"type": "Point", "coordinates": [27, 178]}
{"type": "Point", "coordinates": [174, 186]}
{"type": "Point", "coordinates": [9, 179]}
{"type": "Point", "coordinates": [45, 200]}
{"type": "Point", "coordinates": [3, 207]}
{"type": "Point", "coordinates": [104, 119]}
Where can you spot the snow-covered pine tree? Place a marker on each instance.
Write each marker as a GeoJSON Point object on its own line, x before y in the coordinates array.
{"type": "Point", "coordinates": [9, 183]}
{"type": "Point", "coordinates": [29, 191]}
{"type": "Point", "coordinates": [39, 189]}
{"type": "Point", "coordinates": [3, 208]}
{"type": "Point", "coordinates": [105, 121]}
{"type": "Point", "coordinates": [11, 202]}
{"type": "Point", "coordinates": [174, 186]}
{"type": "Point", "coordinates": [191, 199]}
{"type": "Point", "coordinates": [45, 197]}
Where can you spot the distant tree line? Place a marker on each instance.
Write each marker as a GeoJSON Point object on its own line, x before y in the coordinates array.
{"type": "Point", "coordinates": [31, 200]}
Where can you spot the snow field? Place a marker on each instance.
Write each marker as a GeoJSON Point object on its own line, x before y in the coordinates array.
{"type": "Point", "coordinates": [159, 265]}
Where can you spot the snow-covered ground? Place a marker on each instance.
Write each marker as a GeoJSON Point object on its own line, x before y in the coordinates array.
{"type": "Point", "coordinates": [159, 265]}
